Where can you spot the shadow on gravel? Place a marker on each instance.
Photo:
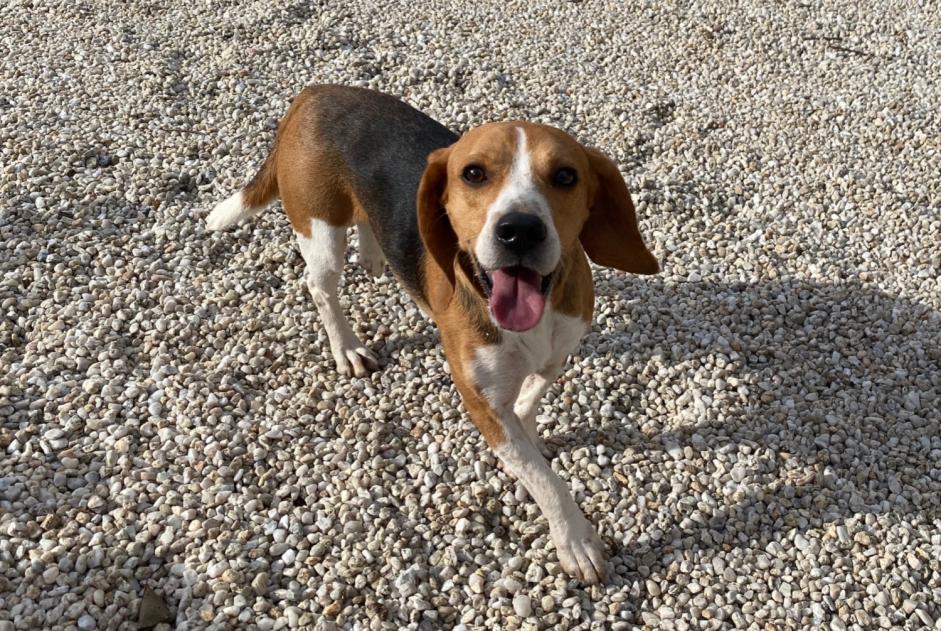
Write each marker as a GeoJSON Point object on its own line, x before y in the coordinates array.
{"type": "Point", "coordinates": [829, 399]}
{"type": "Point", "coordinates": [388, 348]}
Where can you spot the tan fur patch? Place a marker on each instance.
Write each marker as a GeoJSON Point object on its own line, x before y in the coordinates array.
{"type": "Point", "coordinates": [312, 177]}
{"type": "Point", "coordinates": [574, 293]}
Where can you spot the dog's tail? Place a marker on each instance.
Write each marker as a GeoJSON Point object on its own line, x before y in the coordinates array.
{"type": "Point", "coordinates": [251, 200]}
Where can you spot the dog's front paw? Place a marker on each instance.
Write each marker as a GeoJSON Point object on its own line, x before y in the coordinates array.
{"type": "Point", "coordinates": [358, 361]}
{"type": "Point", "coordinates": [580, 550]}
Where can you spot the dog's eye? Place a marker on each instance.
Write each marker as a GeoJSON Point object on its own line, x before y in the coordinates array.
{"type": "Point", "coordinates": [565, 177]}
{"type": "Point", "coordinates": [474, 174]}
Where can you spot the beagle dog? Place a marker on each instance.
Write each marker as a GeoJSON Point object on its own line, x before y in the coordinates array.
{"type": "Point", "coordinates": [490, 233]}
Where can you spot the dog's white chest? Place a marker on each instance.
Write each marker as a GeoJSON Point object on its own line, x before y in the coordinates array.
{"type": "Point", "coordinates": [498, 370]}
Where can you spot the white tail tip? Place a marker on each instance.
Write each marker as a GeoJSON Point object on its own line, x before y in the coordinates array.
{"type": "Point", "coordinates": [228, 212]}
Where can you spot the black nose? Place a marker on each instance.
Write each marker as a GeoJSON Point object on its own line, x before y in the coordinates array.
{"type": "Point", "coordinates": [520, 232]}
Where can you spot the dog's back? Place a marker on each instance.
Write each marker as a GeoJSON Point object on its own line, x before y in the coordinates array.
{"type": "Point", "coordinates": [348, 155]}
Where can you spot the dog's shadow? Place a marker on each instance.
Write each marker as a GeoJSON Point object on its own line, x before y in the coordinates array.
{"type": "Point", "coordinates": [826, 382]}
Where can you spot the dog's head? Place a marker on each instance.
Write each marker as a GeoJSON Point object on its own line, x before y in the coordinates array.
{"type": "Point", "coordinates": [510, 201]}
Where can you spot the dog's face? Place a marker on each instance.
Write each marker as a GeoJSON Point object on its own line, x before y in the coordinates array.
{"type": "Point", "coordinates": [517, 199]}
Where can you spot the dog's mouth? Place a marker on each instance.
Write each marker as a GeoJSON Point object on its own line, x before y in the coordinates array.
{"type": "Point", "coordinates": [517, 295]}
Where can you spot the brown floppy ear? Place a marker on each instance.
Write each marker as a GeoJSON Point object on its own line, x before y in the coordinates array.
{"type": "Point", "coordinates": [433, 224]}
{"type": "Point", "coordinates": [610, 236]}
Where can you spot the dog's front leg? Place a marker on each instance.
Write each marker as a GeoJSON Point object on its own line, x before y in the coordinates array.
{"type": "Point", "coordinates": [527, 403]}
{"type": "Point", "coordinates": [577, 544]}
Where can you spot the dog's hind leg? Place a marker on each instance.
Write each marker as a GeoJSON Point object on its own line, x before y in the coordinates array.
{"type": "Point", "coordinates": [371, 258]}
{"type": "Point", "coordinates": [323, 252]}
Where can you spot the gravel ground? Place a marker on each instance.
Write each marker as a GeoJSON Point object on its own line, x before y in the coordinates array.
{"type": "Point", "coordinates": [755, 431]}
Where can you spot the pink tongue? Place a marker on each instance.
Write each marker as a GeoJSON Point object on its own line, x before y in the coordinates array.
{"type": "Point", "coordinates": [516, 301]}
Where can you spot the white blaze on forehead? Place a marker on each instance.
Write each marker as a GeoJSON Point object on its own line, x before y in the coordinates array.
{"type": "Point", "coordinates": [520, 192]}
{"type": "Point", "coordinates": [520, 186]}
